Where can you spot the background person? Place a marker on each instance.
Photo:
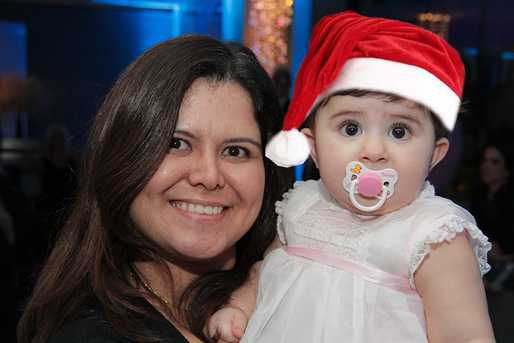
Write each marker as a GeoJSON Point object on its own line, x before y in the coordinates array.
{"type": "Point", "coordinates": [58, 181]}
{"type": "Point", "coordinates": [492, 205]}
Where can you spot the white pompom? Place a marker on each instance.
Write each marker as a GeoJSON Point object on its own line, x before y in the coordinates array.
{"type": "Point", "coordinates": [288, 148]}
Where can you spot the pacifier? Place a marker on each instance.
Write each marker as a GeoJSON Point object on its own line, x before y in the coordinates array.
{"type": "Point", "coordinates": [369, 183]}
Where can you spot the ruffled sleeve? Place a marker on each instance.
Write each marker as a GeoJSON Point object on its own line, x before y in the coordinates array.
{"type": "Point", "coordinates": [446, 228]}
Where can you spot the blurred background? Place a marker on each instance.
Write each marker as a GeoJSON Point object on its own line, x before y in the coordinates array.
{"type": "Point", "coordinates": [58, 59]}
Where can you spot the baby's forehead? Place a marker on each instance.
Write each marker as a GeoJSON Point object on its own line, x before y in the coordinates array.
{"type": "Point", "coordinates": [331, 101]}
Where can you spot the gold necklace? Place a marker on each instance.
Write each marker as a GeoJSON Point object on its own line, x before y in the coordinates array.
{"type": "Point", "coordinates": [160, 297]}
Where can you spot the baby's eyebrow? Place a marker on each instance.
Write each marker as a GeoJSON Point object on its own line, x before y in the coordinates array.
{"type": "Point", "coordinates": [407, 117]}
{"type": "Point", "coordinates": [344, 113]}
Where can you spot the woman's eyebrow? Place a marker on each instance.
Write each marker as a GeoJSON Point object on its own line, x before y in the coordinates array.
{"type": "Point", "coordinates": [244, 140]}
{"type": "Point", "coordinates": [184, 133]}
{"type": "Point", "coordinates": [231, 140]}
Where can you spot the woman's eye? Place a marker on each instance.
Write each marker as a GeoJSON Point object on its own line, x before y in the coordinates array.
{"type": "Point", "coordinates": [399, 132]}
{"type": "Point", "coordinates": [178, 144]}
{"type": "Point", "coordinates": [235, 151]}
{"type": "Point", "coordinates": [350, 129]}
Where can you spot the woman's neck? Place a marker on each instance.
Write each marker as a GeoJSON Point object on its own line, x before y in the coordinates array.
{"type": "Point", "coordinates": [166, 285]}
{"type": "Point", "coordinates": [157, 281]}
{"type": "Point", "coordinates": [170, 284]}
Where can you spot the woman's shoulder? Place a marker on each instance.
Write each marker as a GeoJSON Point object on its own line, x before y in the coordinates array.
{"type": "Point", "coordinates": [93, 327]}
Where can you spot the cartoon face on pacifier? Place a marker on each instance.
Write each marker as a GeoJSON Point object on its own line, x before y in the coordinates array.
{"type": "Point", "coordinates": [369, 183]}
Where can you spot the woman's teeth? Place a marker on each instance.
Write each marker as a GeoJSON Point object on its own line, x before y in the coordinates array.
{"type": "Point", "coordinates": [198, 208]}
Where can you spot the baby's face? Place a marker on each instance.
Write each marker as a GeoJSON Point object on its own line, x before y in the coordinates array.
{"type": "Point", "coordinates": [379, 134]}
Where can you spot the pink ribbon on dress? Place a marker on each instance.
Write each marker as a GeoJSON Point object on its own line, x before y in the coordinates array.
{"type": "Point", "coordinates": [376, 276]}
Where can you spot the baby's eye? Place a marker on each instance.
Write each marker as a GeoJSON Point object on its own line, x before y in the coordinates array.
{"type": "Point", "coordinates": [350, 129]}
{"type": "Point", "coordinates": [236, 151]}
{"type": "Point", "coordinates": [399, 132]}
{"type": "Point", "coordinates": [178, 144]}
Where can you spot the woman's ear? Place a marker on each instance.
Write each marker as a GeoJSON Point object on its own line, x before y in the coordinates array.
{"type": "Point", "coordinates": [312, 143]}
{"type": "Point", "coordinates": [440, 149]}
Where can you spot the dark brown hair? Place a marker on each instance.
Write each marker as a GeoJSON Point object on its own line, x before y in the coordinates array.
{"type": "Point", "coordinates": [92, 261]}
{"type": "Point", "coordinates": [440, 130]}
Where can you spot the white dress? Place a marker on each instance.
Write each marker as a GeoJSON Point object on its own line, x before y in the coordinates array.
{"type": "Point", "coordinates": [304, 300]}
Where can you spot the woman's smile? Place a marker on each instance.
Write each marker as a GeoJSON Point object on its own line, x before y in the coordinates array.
{"type": "Point", "coordinates": [197, 208]}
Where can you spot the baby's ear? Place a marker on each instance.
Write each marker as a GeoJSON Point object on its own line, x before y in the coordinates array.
{"type": "Point", "coordinates": [440, 149]}
{"type": "Point", "coordinates": [312, 143]}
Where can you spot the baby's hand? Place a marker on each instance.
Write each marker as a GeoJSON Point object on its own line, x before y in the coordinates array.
{"type": "Point", "coordinates": [227, 325]}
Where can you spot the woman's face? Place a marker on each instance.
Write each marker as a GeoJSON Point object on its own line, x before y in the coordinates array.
{"type": "Point", "coordinates": [493, 169]}
{"type": "Point", "coordinates": [208, 190]}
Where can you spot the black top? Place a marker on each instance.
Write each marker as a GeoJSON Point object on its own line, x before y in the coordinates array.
{"type": "Point", "coordinates": [95, 328]}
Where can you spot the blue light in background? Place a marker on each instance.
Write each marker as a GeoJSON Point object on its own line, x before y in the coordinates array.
{"type": "Point", "coordinates": [470, 51]}
{"type": "Point", "coordinates": [232, 13]}
{"type": "Point", "coordinates": [301, 34]}
{"type": "Point", "coordinates": [161, 20]}
{"type": "Point", "coordinates": [146, 28]}
{"type": "Point", "coordinates": [507, 55]}
{"type": "Point", "coordinates": [218, 18]}
{"type": "Point", "coordinates": [152, 5]}
{"type": "Point", "coordinates": [13, 40]}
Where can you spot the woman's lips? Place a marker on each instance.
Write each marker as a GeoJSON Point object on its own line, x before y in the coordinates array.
{"type": "Point", "coordinates": [194, 208]}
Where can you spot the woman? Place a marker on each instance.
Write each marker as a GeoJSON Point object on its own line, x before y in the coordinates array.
{"type": "Point", "coordinates": [58, 183]}
{"type": "Point", "coordinates": [492, 207]}
{"type": "Point", "coordinates": [168, 219]}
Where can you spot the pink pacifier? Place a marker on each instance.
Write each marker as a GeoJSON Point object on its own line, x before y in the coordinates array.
{"type": "Point", "coordinates": [369, 183]}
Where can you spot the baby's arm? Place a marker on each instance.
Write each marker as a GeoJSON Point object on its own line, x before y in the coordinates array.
{"type": "Point", "coordinates": [229, 323]}
{"type": "Point", "coordinates": [450, 284]}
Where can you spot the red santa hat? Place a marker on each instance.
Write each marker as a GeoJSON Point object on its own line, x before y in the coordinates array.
{"type": "Point", "coordinates": [350, 51]}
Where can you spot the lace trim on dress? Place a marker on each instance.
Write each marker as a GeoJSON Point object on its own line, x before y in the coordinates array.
{"type": "Point", "coordinates": [446, 228]}
{"type": "Point", "coordinates": [279, 209]}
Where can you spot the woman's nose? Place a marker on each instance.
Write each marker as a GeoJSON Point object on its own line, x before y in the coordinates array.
{"type": "Point", "coordinates": [206, 172]}
{"type": "Point", "coordinates": [373, 149]}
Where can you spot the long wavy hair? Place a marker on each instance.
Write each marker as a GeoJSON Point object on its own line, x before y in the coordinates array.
{"type": "Point", "coordinates": [93, 259]}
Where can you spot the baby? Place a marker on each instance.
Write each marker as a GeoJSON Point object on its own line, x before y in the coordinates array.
{"type": "Point", "coordinates": [371, 254]}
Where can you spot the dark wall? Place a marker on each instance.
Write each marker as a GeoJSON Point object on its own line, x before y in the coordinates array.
{"type": "Point", "coordinates": [481, 30]}
{"type": "Point", "coordinates": [77, 52]}
{"type": "Point", "coordinates": [319, 9]}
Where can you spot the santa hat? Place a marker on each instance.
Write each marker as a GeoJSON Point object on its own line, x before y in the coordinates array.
{"type": "Point", "coordinates": [349, 51]}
